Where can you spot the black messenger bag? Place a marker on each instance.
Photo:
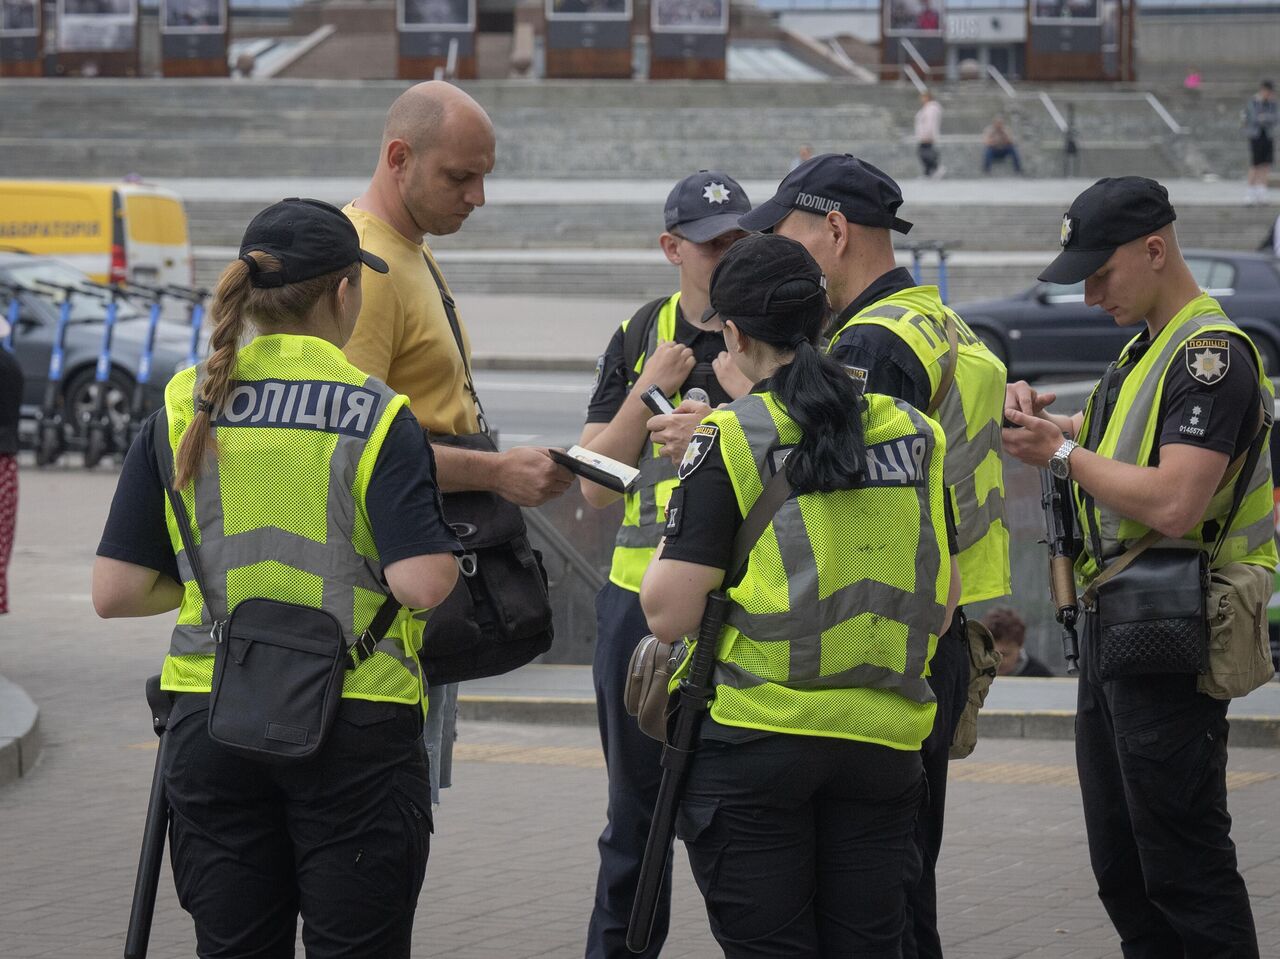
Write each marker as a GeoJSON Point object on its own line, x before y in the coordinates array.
{"type": "Point", "coordinates": [498, 616]}
{"type": "Point", "coordinates": [277, 667]}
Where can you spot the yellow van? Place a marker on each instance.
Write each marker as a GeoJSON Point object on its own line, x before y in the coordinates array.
{"type": "Point", "coordinates": [114, 232]}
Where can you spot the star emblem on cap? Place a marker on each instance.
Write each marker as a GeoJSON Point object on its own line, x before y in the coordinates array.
{"type": "Point", "coordinates": [1064, 236]}
{"type": "Point", "coordinates": [716, 193]}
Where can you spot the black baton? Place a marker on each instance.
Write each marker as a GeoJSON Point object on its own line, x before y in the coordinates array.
{"type": "Point", "coordinates": [144, 887]}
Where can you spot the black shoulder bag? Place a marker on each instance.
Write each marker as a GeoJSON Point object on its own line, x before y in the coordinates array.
{"type": "Point", "coordinates": [277, 667]}
{"type": "Point", "coordinates": [498, 617]}
{"type": "Point", "coordinates": [1152, 603]}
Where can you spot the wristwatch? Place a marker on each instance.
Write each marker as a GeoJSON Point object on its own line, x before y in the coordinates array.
{"type": "Point", "coordinates": [1060, 462]}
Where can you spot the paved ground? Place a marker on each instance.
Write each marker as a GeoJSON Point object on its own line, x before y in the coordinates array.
{"type": "Point", "coordinates": [512, 866]}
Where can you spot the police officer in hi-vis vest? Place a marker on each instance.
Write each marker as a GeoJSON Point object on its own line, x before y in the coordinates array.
{"type": "Point", "coordinates": [1151, 452]}
{"type": "Point", "coordinates": [895, 337]}
{"type": "Point", "coordinates": [801, 799]}
{"type": "Point", "coordinates": [667, 344]}
{"type": "Point", "coordinates": [306, 482]}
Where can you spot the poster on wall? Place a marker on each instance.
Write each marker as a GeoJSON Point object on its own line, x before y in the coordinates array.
{"type": "Point", "coordinates": [588, 9]}
{"type": "Point", "coordinates": [689, 16]}
{"type": "Point", "coordinates": [1065, 12]}
{"type": "Point", "coordinates": [914, 18]}
{"type": "Point", "coordinates": [436, 15]}
{"type": "Point", "coordinates": [97, 25]}
{"type": "Point", "coordinates": [19, 18]}
{"type": "Point", "coordinates": [193, 16]}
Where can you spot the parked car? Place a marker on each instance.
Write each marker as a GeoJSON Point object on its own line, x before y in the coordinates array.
{"type": "Point", "coordinates": [33, 341]}
{"type": "Point", "coordinates": [1048, 329]}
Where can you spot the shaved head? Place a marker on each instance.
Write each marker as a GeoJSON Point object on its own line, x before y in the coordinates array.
{"type": "Point", "coordinates": [426, 113]}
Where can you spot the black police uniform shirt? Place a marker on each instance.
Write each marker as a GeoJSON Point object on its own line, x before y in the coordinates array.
{"type": "Point", "coordinates": [892, 367]}
{"type": "Point", "coordinates": [1218, 414]}
{"type": "Point", "coordinates": [611, 382]}
{"type": "Point", "coordinates": [402, 501]}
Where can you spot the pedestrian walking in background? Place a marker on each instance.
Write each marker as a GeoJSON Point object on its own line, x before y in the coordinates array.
{"type": "Point", "coordinates": [928, 126]}
{"type": "Point", "coordinates": [667, 344]}
{"type": "Point", "coordinates": [803, 792]}
{"type": "Point", "coordinates": [437, 148]}
{"type": "Point", "coordinates": [11, 381]}
{"type": "Point", "coordinates": [997, 144]}
{"type": "Point", "coordinates": [306, 482]}
{"type": "Point", "coordinates": [1261, 120]}
{"type": "Point", "coordinates": [1182, 410]}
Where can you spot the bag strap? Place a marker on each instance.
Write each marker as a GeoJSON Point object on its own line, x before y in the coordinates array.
{"type": "Point", "coordinates": [1241, 466]}
{"type": "Point", "coordinates": [758, 518]}
{"type": "Point", "coordinates": [360, 650]}
{"type": "Point", "coordinates": [637, 332]}
{"type": "Point", "coordinates": [451, 313]}
{"type": "Point", "coordinates": [949, 374]}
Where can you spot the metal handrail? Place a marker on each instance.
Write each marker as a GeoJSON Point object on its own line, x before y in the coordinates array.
{"type": "Point", "coordinates": [1000, 80]}
{"type": "Point", "coordinates": [914, 77]}
{"type": "Point", "coordinates": [1054, 113]}
{"type": "Point", "coordinates": [914, 54]}
{"type": "Point", "coordinates": [1165, 115]}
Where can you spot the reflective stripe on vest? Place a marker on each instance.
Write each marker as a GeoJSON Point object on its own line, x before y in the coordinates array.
{"type": "Point", "coordinates": [231, 542]}
{"type": "Point", "coordinates": [974, 473]}
{"type": "Point", "coordinates": [851, 662]}
{"type": "Point", "coordinates": [1130, 436]}
{"type": "Point", "coordinates": [645, 507]}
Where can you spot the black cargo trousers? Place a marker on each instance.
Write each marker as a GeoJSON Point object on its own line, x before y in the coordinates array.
{"type": "Point", "coordinates": [1151, 752]}
{"type": "Point", "coordinates": [341, 838]}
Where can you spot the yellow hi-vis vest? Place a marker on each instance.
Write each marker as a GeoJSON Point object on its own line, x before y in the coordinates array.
{"type": "Point", "coordinates": [280, 511]}
{"type": "Point", "coordinates": [832, 627]}
{"type": "Point", "coordinates": [970, 415]}
{"type": "Point", "coordinates": [1131, 433]}
{"type": "Point", "coordinates": [645, 507]}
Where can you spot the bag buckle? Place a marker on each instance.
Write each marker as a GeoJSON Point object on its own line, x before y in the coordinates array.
{"type": "Point", "coordinates": [215, 632]}
{"type": "Point", "coordinates": [362, 648]}
{"type": "Point", "coordinates": [468, 564]}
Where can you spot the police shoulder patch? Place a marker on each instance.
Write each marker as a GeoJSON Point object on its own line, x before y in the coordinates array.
{"type": "Point", "coordinates": [859, 376]}
{"type": "Point", "coordinates": [700, 445]}
{"type": "Point", "coordinates": [595, 384]}
{"type": "Point", "coordinates": [1208, 358]}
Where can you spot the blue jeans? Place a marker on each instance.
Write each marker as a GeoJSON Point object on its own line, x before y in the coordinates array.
{"type": "Point", "coordinates": [438, 734]}
{"type": "Point", "coordinates": [631, 759]}
{"type": "Point", "coordinates": [992, 154]}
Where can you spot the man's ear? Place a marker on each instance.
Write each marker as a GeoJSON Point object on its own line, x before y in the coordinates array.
{"type": "Point", "coordinates": [397, 154]}
{"type": "Point", "coordinates": [837, 230]}
{"type": "Point", "coordinates": [1157, 250]}
{"type": "Point", "coordinates": [670, 248]}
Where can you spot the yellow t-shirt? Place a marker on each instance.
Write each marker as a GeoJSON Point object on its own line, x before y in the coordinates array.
{"type": "Point", "coordinates": [402, 336]}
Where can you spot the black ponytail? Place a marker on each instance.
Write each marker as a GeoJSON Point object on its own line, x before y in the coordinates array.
{"type": "Point", "coordinates": [820, 396]}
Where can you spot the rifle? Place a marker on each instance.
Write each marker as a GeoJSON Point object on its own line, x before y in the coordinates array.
{"type": "Point", "coordinates": [695, 694]}
{"type": "Point", "coordinates": [696, 691]}
{"type": "Point", "coordinates": [1054, 493]}
{"type": "Point", "coordinates": [144, 886]}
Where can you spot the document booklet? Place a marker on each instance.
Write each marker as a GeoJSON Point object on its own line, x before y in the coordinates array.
{"type": "Point", "coordinates": [616, 476]}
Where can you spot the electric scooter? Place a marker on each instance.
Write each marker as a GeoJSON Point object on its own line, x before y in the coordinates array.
{"type": "Point", "coordinates": [137, 409]}
{"type": "Point", "coordinates": [196, 298]}
{"type": "Point", "coordinates": [100, 437]}
{"type": "Point", "coordinates": [11, 313]}
{"type": "Point", "coordinates": [51, 426]}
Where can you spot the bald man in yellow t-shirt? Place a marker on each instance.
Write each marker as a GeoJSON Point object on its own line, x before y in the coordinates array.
{"type": "Point", "coordinates": [437, 148]}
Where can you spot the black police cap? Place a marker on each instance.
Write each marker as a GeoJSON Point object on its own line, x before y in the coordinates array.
{"type": "Point", "coordinates": [765, 277]}
{"type": "Point", "coordinates": [1112, 212]}
{"type": "Point", "coordinates": [861, 192]}
{"type": "Point", "coordinates": [309, 237]}
{"type": "Point", "coordinates": [705, 205]}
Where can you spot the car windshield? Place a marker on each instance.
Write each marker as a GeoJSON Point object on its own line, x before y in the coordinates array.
{"type": "Point", "coordinates": [83, 307]}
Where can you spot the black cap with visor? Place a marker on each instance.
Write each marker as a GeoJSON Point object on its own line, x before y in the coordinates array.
{"type": "Point", "coordinates": [309, 237]}
{"type": "Point", "coordinates": [863, 193]}
{"type": "Point", "coordinates": [1112, 212]}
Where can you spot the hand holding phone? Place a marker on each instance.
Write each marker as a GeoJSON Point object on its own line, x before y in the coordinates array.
{"type": "Point", "coordinates": [657, 401]}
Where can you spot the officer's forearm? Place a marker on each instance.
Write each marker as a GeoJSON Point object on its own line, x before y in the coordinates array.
{"type": "Point", "coordinates": [623, 438]}
{"type": "Point", "coordinates": [1171, 497]}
